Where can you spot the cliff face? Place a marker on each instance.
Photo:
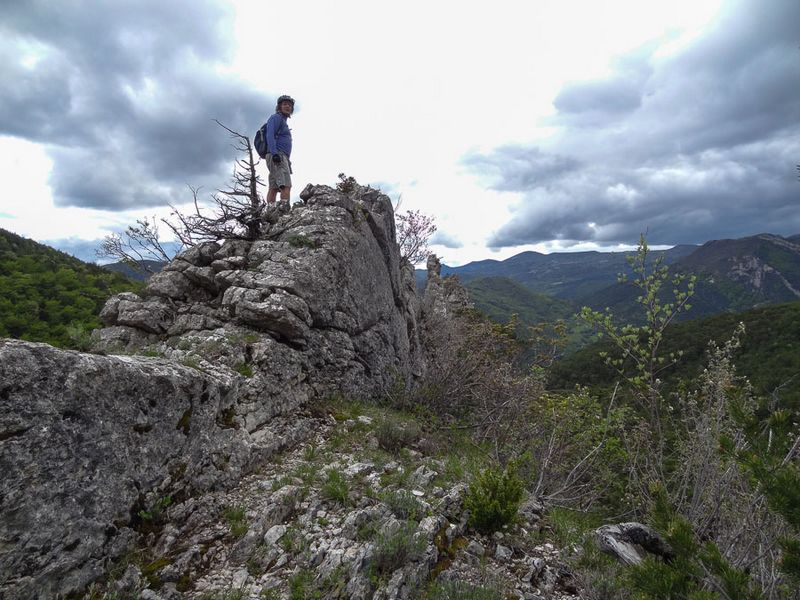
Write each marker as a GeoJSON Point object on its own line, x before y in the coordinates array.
{"type": "Point", "coordinates": [751, 271]}
{"type": "Point", "coordinates": [89, 441]}
{"type": "Point", "coordinates": [203, 377]}
{"type": "Point", "coordinates": [324, 291]}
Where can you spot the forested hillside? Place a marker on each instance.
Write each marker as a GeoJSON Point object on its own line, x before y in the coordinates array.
{"type": "Point", "coordinates": [500, 297]}
{"type": "Point", "coordinates": [769, 355]}
{"type": "Point", "coordinates": [142, 274]}
{"type": "Point", "coordinates": [49, 296]}
{"type": "Point", "coordinates": [732, 276]}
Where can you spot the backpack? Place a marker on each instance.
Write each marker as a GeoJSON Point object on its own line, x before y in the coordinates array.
{"type": "Point", "coordinates": [260, 141]}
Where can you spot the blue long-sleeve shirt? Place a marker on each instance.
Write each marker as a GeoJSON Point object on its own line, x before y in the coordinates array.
{"type": "Point", "coordinates": [279, 136]}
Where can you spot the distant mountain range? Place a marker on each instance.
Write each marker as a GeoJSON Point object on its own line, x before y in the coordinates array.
{"type": "Point", "coordinates": [733, 275]}
{"type": "Point", "coordinates": [500, 297]}
{"type": "Point", "coordinates": [567, 275]}
{"type": "Point", "coordinates": [154, 266]}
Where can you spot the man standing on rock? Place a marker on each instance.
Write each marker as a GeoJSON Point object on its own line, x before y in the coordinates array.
{"type": "Point", "coordinates": [279, 150]}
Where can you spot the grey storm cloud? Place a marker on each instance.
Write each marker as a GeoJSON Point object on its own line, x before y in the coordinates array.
{"type": "Point", "coordinates": [599, 101]}
{"type": "Point", "coordinates": [515, 168]}
{"type": "Point", "coordinates": [697, 145]}
{"type": "Point", "coordinates": [613, 96]}
{"type": "Point", "coordinates": [124, 96]}
{"type": "Point", "coordinates": [448, 240]}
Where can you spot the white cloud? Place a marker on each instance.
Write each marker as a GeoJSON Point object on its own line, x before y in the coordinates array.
{"type": "Point", "coordinates": [395, 93]}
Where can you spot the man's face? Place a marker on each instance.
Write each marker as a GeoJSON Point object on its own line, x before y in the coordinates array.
{"type": "Point", "coordinates": [286, 107]}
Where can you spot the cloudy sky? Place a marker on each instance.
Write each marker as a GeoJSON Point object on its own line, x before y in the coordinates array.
{"type": "Point", "coordinates": [549, 125]}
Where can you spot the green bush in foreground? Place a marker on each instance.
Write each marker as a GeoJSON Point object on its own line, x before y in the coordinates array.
{"type": "Point", "coordinates": [493, 498]}
{"type": "Point", "coordinates": [697, 571]}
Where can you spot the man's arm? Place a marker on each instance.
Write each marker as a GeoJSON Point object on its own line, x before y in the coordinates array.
{"type": "Point", "coordinates": [272, 130]}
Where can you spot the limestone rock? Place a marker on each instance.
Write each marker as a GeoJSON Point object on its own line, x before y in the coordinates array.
{"type": "Point", "coordinates": [327, 279]}
{"type": "Point", "coordinates": [629, 542]}
{"type": "Point", "coordinates": [88, 442]}
{"type": "Point", "coordinates": [503, 553]}
{"type": "Point", "coordinates": [531, 509]}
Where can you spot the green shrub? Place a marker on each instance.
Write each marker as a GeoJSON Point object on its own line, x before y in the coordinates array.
{"type": "Point", "coordinates": [224, 595]}
{"type": "Point", "coordinates": [341, 408]}
{"type": "Point", "coordinates": [770, 459]}
{"type": "Point", "coordinates": [395, 548]}
{"type": "Point", "coordinates": [79, 338]}
{"type": "Point", "coordinates": [493, 498]}
{"type": "Point", "coordinates": [306, 473]}
{"type": "Point", "coordinates": [566, 527]}
{"type": "Point", "coordinates": [244, 369]}
{"type": "Point", "coordinates": [689, 572]}
{"type": "Point", "coordinates": [152, 353]}
{"type": "Point", "coordinates": [156, 513]}
{"type": "Point", "coordinates": [368, 531]}
{"type": "Point", "coordinates": [258, 561]}
{"type": "Point", "coordinates": [301, 241]}
{"type": "Point", "coordinates": [301, 586]}
{"type": "Point", "coordinates": [293, 542]}
{"type": "Point", "coordinates": [403, 504]}
{"type": "Point", "coordinates": [227, 418]}
{"type": "Point", "coordinates": [193, 362]}
{"type": "Point", "coordinates": [346, 184]}
{"type": "Point", "coordinates": [310, 453]}
{"type": "Point", "coordinates": [597, 573]}
{"type": "Point", "coordinates": [336, 488]}
{"type": "Point", "coordinates": [393, 436]}
{"type": "Point", "coordinates": [281, 482]}
{"type": "Point", "coordinates": [237, 520]}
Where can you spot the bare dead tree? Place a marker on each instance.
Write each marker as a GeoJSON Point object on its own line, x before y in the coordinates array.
{"type": "Point", "coordinates": [235, 213]}
{"type": "Point", "coordinates": [135, 246]}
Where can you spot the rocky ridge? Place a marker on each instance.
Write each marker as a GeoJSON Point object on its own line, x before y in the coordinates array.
{"type": "Point", "coordinates": [193, 414]}
{"type": "Point", "coordinates": [340, 516]}
{"type": "Point", "coordinates": [323, 291]}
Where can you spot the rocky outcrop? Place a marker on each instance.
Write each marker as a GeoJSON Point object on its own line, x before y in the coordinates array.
{"type": "Point", "coordinates": [631, 542]}
{"type": "Point", "coordinates": [205, 375]}
{"type": "Point", "coordinates": [758, 274]}
{"type": "Point", "coordinates": [88, 442]}
{"type": "Point", "coordinates": [443, 296]}
{"type": "Point", "coordinates": [326, 284]}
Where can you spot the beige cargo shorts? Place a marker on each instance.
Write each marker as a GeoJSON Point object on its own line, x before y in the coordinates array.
{"type": "Point", "coordinates": [279, 174]}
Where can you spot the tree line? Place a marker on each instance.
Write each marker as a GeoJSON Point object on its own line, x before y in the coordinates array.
{"type": "Point", "coordinates": [48, 296]}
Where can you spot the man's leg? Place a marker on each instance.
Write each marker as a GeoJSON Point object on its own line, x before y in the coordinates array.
{"type": "Point", "coordinates": [280, 179]}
